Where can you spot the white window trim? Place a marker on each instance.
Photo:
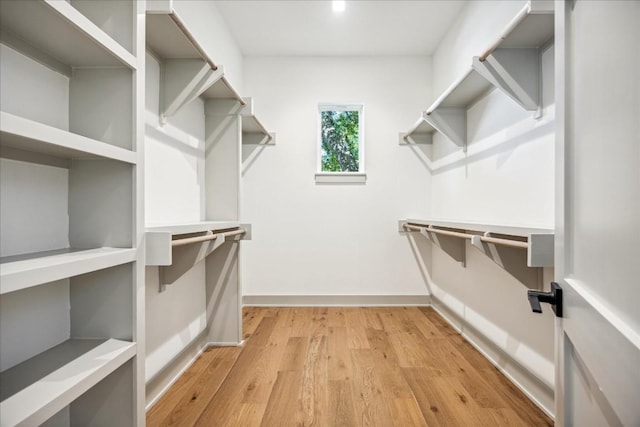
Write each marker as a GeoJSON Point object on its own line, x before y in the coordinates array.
{"type": "Point", "coordinates": [341, 177]}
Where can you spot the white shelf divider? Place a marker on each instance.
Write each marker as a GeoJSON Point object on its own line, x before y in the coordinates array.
{"type": "Point", "coordinates": [55, 29]}
{"type": "Point", "coordinates": [25, 134]}
{"type": "Point", "coordinates": [74, 374]}
{"type": "Point", "coordinates": [24, 271]}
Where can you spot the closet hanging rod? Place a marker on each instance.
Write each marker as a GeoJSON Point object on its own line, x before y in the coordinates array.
{"type": "Point", "coordinates": [524, 12]}
{"type": "Point", "coordinates": [487, 239]}
{"type": "Point", "coordinates": [505, 242]}
{"type": "Point", "coordinates": [199, 239]}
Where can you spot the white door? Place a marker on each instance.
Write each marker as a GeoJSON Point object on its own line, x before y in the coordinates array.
{"type": "Point", "coordinates": [598, 212]}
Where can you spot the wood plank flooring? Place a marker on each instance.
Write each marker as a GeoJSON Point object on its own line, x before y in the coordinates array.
{"type": "Point", "coordinates": [400, 366]}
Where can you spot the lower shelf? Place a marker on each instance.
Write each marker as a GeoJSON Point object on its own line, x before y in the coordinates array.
{"type": "Point", "coordinates": [23, 271]}
{"type": "Point", "coordinates": [39, 387]}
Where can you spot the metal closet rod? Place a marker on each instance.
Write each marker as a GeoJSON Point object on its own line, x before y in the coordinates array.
{"type": "Point", "coordinates": [487, 239]}
{"type": "Point", "coordinates": [199, 239]}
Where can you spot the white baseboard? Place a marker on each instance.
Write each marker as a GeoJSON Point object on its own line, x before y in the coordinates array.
{"type": "Point", "coordinates": [335, 300]}
{"type": "Point", "coordinates": [177, 374]}
{"type": "Point", "coordinates": [225, 344]}
{"type": "Point", "coordinates": [174, 375]}
{"type": "Point", "coordinates": [482, 347]}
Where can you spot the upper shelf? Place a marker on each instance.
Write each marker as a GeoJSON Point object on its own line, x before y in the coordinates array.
{"type": "Point", "coordinates": [511, 64]}
{"type": "Point", "coordinates": [38, 388]}
{"type": "Point", "coordinates": [253, 132]}
{"type": "Point", "coordinates": [24, 271]}
{"type": "Point", "coordinates": [188, 71]}
{"type": "Point", "coordinates": [25, 134]}
{"type": "Point", "coordinates": [57, 34]}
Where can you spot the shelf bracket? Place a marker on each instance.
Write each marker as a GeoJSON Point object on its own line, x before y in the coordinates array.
{"type": "Point", "coordinates": [183, 81]}
{"type": "Point", "coordinates": [515, 72]}
{"type": "Point", "coordinates": [512, 260]}
{"type": "Point", "coordinates": [451, 122]}
{"type": "Point", "coordinates": [455, 247]}
{"type": "Point", "coordinates": [415, 138]}
{"type": "Point", "coordinates": [185, 257]}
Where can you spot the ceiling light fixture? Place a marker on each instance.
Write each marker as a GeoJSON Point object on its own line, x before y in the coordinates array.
{"type": "Point", "coordinates": [339, 5]}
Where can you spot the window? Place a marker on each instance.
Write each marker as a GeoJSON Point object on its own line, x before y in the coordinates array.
{"type": "Point", "coordinates": [341, 143]}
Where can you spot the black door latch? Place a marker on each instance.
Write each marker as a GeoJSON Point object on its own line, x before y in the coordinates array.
{"type": "Point", "coordinates": [554, 298]}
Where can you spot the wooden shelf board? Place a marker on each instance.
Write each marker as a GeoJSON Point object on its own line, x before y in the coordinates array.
{"type": "Point", "coordinates": [58, 30]}
{"type": "Point", "coordinates": [24, 271]}
{"type": "Point", "coordinates": [24, 134]}
{"type": "Point", "coordinates": [38, 388]}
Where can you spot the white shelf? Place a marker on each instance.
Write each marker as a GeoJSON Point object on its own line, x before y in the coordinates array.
{"type": "Point", "coordinates": [511, 64]}
{"type": "Point", "coordinates": [188, 71]}
{"type": "Point", "coordinates": [38, 388]}
{"type": "Point", "coordinates": [515, 249]}
{"type": "Point", "coordinates": [158, 238]}
{"type": "Point", "coordinates": [24, 271]}
{"type": "Point", "coordinates": [59, 35]}
{"type": "Point", "coordinates": [253, 132]}
{"type": "Point", "coordinates": [190, 227]}
{"type": "Point", "coordinates": [491, 228]}
{"type": "Point", "coordinates": [463, 92]}
{"type": "Point", "coordinates": [24, 134]}
{"type": "Point", "coordinates": [420, 133]}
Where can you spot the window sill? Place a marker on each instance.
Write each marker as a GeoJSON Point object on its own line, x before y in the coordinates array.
{"type": "Point", "coordinates": [341, 178]}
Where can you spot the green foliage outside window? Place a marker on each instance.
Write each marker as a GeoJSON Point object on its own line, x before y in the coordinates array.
{"type": "Point", "coordinates": [340, 141]}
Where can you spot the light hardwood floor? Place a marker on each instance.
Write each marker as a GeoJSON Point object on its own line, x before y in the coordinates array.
{"type": "Point", "coordinates": [331, 367]}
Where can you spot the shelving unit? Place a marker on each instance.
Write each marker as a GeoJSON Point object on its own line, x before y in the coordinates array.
{"type": "Point", "coordinates": [188, 71]}
{"type": "Point", "coordinates": [71, 98]}
{"type": "Point", "coordinates": [57, 377]}
{"type": "Point", "coordinates": [519, 250]}
{"type": "Point", "coordinates": [177, 248]}
{"type": "Point", "coordinates": [511, 64]}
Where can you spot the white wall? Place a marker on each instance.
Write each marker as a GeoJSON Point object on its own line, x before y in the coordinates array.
{"type": "Point", "coordinates": [312, 239]}
{"type": "Point", "coordinates": [506, 177]}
